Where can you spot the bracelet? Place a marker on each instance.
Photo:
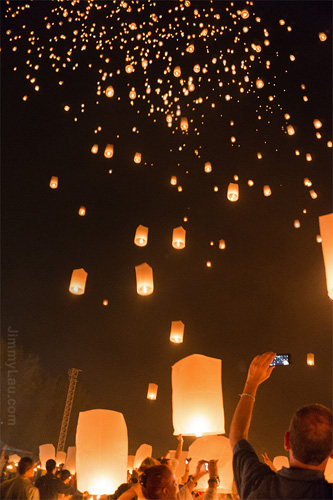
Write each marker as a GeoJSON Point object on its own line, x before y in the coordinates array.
{"type": "Point", "coordinates": [247, 394]}
{"type": "Point", "coordinates": [191, 478]}
{"type": "Point", "coordinates": [214, 479]}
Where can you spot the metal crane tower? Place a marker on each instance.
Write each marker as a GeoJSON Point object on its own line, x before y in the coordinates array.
{"type": "Point", "coordinates": [73, 374]}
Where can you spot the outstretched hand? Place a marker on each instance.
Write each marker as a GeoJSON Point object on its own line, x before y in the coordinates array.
{"type": "Point", "coordinates": [260, 370]}
{"type": "Point", "coordinates": [200, 470]}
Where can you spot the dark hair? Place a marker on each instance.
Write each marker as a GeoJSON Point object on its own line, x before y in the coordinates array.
{"type": "Point", "coordinates": [50, 465]}
{"type": "Point", "coordinates": [154, 479]}
{"type": "Point", "coordinates": [64, 474]}
{"type": "Point", "coordinates": [25, 464]}
{"type": "Point", "coordinates": [147, 462]}
{"type": "Point", "coordinates": [310, 433]}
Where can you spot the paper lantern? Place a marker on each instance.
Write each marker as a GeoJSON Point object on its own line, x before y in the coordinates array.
{"type": "Point", "coordinates": [108, 152]}
{"type": "Point", "coordinates": [109, 91]}
{"type": "Point", "coordinates": [132, 93]}
{"type": "Point", "coordinates": [173, 180]}
{"type": "Point", "coordinates": [317, 123]}
{"type": "Point", "coordinates": [177, 332]}
{"type": "Point", "coordinates": [183, 123]}
{"type": "Point", "coordinates": [60, 457]}
{"type": "Point", "coordinates": [152, 391]}
{"type": "Point", "coordinates": [78, 281]}
{"type": "Point", "coordinates": [208, 167]}
{"type": "Point", "coordinates": [105, 302]}
{"type": "Point", "coordinates": [313, 194]}
{"type": "Point", "coordinates": [222, 244]}
{"type": "Point", "coordinates": [14, 458]}
{"type": "Point", "coordinates": [322, 36]}
{"type": "Point", "coordinates": [290, 130]}
{"type": "Point", "coordinates": [297, 224]}
{"type": "Point", "coordinates": [94, 149]}
{"type": "Point", "coordinates": [310, 359]}
{"type": "Point", "coordinates": [259, 83]}
{"type": "Point", "coordinates": [54, 182]}
{"type": "Point", "coordinates": [137, 158]}
{"type": "Point", "coordinates": [101, 451]}
{"type": "Point", "coordinates": [281, 461]}
{"type": "Point", "coordinates": [307, 182]}
{"type": "Point", "coordinates": [215, 448]}
{"type": "Point", "coordinates": [308, 157]}
{"type": "Point", "coordinates": [232, 193]}
{"type": "Point", "coordinates": [144, 451]}
{"type": "Point", "coordinates": [178, 237]}
{"type": "Point", "coordinates": [130, 462]}
{"type": "Point", "coordinates": [267, 190]}
{"type": "Point", "coordinates": [326, 233]}
{"type": "Point", "coordinates": [144, 279]}
{"type": "Point", "coordinates": [141, 236]}
{"type": "Point", "coordinates": [82, 211]}
{"type": "Point", "coordinates": [329, 470]}
{"type": "Point", "coordinates": [177, 72]}
{"type": "Point", "coordinates": [46, 452]}
{"type": "Point", "coordinates": [70, 463]}
{"type": "Point", "coordinates": [197, 405]}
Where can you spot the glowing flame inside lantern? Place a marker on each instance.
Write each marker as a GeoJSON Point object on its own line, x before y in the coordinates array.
{"type": "Point", "coordinates": [152, 391]}
{"type": "Point", "coordinates": [54, 182]}
{"type": "Point", "coordinates": [178, 237]}
{"type": "Point", "coordinates": [310, 359]}
{"type": "Point", "coordinates": [141, 236]}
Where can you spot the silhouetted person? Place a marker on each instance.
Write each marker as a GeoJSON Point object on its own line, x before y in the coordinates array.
{"type": "Point", "coordinates": [49, 485]}
{"type": "Point", "coordinates": [21, 487]}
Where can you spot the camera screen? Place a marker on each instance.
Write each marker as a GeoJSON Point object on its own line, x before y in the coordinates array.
{"type": "Point", "coordinates": [281, 359]}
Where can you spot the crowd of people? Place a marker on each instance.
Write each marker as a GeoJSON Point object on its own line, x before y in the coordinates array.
{"type": "Point", "coordinates": [308, 442]}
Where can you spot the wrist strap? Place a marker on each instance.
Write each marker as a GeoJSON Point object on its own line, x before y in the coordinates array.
{"type": "Point", "coordinates": [214, 479]}
{"type": "Point", "coordinates": [247, 394]}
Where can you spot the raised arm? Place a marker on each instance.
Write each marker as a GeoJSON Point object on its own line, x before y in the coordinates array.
{"type": "Point", "coordinates": [179, 447]}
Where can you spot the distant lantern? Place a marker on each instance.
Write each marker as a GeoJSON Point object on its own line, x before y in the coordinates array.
{"type": "Point", "coordinates": [60, 457]}
{"type": "Point", "coordinates": [307, 182]}
{"type": "Point", "coordinates": [319, 238]}
{"type": "Point", "coordinates": [290, 130]}
{"type": "Point", "coordinates": [132, 93]}
{"type": "Point", "coordinates": [173, 180]}
{"type": "Point", "coordinates": [70, 463]}
{"type": "Point", "coordinates": [297, 224]}
{"type": "Point", "coordinates": [141, 236]}
{"type": "Point", "coordinates": [208, 167]}
{"type": "Point", "coordinates": [245, 14]}
{"type": "Point", "coordinates": [250, 183]}
{"type": "Point", "coordinates": [190, 48]}
{"type": "Point", "coordinates": [177, 71]}
{"type": "Point", "coordinates": [197, 405]}
{"type": "Point", "coordinates": [54, 182]}
{"type": "Point", "coordinates": [208, 263]}
{"type": "Point", "coordinates": [308, 157]}
{"type": "Point", "coordinates": [326, 233]}
{"type": "Point", "coordinates": [259, 83]}
{"type": "Point", "coordinates": [144, 451]}
{"type": "Point", "coordinates": [101, 451]}
{"type": "Point", "coordinates": [78, 281]}
{"type": "Point", "coordinates": [267, 190]}
{"type": "Point", "coordinates": [317, 123]}
{"type": "Point", "coordinates": [144, 279]}
{"type": "Point", "coordinates": [259, 156]}
{"type": "Point", "coordinates": [152, 391]}
{"type": "Point", "coordinates": [177, 332]}
{"type": "Point", "coordinates": [109, 92]}
{"type": "Point", "coordinates": [310, 359]}
{"type": "Point", "coordinates": [82, 211]}
{"type": "Point", "coordinates": [232, 193]}
{"type": "Point", "coordinates": [105, 302]}
{"type": "Point", "coordinates": [221, 244]}
{"type": "Point", "coordinates": [322, 36]}
{"type": "Point", "coordinates": [178, 237]}
{"type": "Point", "coordinates": [46, 452]}
{"type": "Point", "coordinates": [313, 194]}
{"type": "Point", "coordinates": [183, 123]}
{"type": "Point", "coordinates": [129, 68]}
{"type": "Point", "coordinates": [137, 158]}
{"type": "Point", "coordinates": [108, 152]}
{"type": "Point", "coordinates": [94, 149]}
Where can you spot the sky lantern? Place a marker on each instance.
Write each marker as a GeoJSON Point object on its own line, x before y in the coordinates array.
{"type": "Point", "coordinates": [177, 332]}
{"type": "Point", "coordinates": [132, 93]}
{"type": "Point", "coordinates": [130, 462]}
{"type": "Point", "coordinates": [70, 463]}
{"type": "Point", "coordinates": [307, 182]}
{"type": "Point", "coordinates": [326, 233]}
{"type": "Point", "coordinates": [137, 158]}
{"type": "Point", "coordinates": [177, 72]}
{"type": "Point", "coordinates": [245, 14]}
{"type": "Point", "coordinates": [78, 281]}
{"type": "Point", "coordinates": [222, 244]}
{"type": "Point", "coordinates": [281, 461]}
{"type": "Point", "coordinates": [108, 152]}
{"type": "Point", "coordinates": [105, 302]}
{"type": "Point", "coordinates": [213, 448]}
{"type": "Point", "coordinates": [259, 83]}
{"type": "Point", "coordinates": [101, 451]}
{"type": "Point", "coordinates": [308, 157]}
{"type": "Point", "coordinates": [232, 193]}
{"type": "Point", "coordinates": [197, 405]}
{"type": "Point", "coordinates": [313, 194]}
{"type": "Point", "coordinates": [317, 123]}
{"type": "Point", "coordinates": [322, 36]}
{"type": "Point", "coordinates": [144, 451]}
{"type": "Point", "coordinates": [183, 123]}
{"type": "Point", "coordinates": [319, 238]}
{"type": "Point", "coordinates": [290, 130]}
{"type": "Point", "coordinates": [267, 190]}
{"type": "Point", "coordinates": [297, 224]}
{"type": "Point", "coordinates": [310, 359]}
{"type": "Point", "coordinates": [109, 92]}
{"type": "Point", "coordinates": [190, 48]}
{"type": "Point", "coordinates": [94, 149]}
{"type": "Point", "coordinates": [82, 211]}
{"type": "Point", "coordinates": [178, 237]}
{"type": "Point", "coordinates": [152, 391]}
{"type": "Point", "coordinates": [141, 236]}
{"type": "Point", "coordinates": [54, 182]}
{"type": "Point", "coordinates": [46, 452]}
{"type": "Point", "coordinates": [208, 167]}
{"type": "Point", "coordinates": [60, 457]}
{"type": "Point", "coordinates": [144, 279]}
{"type": "Point", "coordinates": [173, 180]}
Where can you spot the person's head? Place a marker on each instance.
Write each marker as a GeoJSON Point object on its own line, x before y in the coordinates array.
{"type": "Point", "coordinates": [310, 435]}
{"type": "Point", "coordinates": [51, 465]}
{"type": "Point", "coordinates": [158, 482]}
{"type": "Point", "coordinates": [26, 467]}
{"type": "Point", "coordinates": [147, 462]}
{"type": "Point", "coordinates": [65, 476]}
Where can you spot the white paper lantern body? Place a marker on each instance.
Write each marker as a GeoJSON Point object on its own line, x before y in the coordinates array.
{"type": "Point", "coordinates": [144, 451]}
{"type": "Point", "coordinates": [177, 332]}
{"type": "Point", "coordinates": [101, 451]}
{"type": "Point", "coordinates": [233, 193]}
{"type": "Point", "coordinates": [152, 391]}
{"type": "Point", "coordinates": [14, 458]}
{"type": "Point", "coordinates": [60, 457]}
{"type": "Point", "coordinates": [54, 182]}
{"type": "Point", "coordinates": [70, 463]}
{"type": "Point", "coordinates": [280, 461]}
{"type": "Point", "coordinates": [46, 452]}
{"type": "Point", "coordinates": [197, 404]}
{"type": "Point", "coordinates": [326, 233]}
{"type": "Point", "coordinates": [78, 281]}
{"type": "Point", "coordinates": [141, 236]}
{"type": "Point", "coordinates": [178, 238]}
{"type": "Point", "coordinates": [130, 462]}
{"type": "Point", "coordinates": [144, 279]}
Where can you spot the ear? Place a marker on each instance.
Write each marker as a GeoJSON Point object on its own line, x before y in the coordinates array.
{"type": "Point", "coordinates": [164, 492]}
{"type": "Point", "coordinates": [287, 441]}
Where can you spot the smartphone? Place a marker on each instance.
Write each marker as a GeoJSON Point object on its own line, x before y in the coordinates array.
{"type": "Point", "coordinates": [186, 461]}
{"type": "Point", "coordinates": [206, 466]}
{"type": "Point", "coordinates": [281, 359]}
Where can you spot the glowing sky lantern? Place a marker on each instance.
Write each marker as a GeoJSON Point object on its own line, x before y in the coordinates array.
{"type": "Point", "coordinates": [109, 92]}
{"type": "Point", "coordinates": [141, 236]}
{"type": "Point", "coordinates": [144, 451]}
{"type": "Point", "coordinates": [317, 123]}
{"type": "Point", "coordinates": [177, 332]}
{"type": "Point", "coordinates": [144, 279]}
{"type": "Point", "coordinates": [290, 130]}
{"type": "Point", "coordinates": [46, 452]}
{"type": "Point", "coordinates": [82, 211]}
{"type": "Point", "coordinates": [232, 193]}
{"type": "Point", "coordinates": [60, 457]}
{"type": "Point", "coordinates": [130, 462]}
{"type": "Point", "coordinates": [297, 224]}
{"type": "Point", "coordinates": [132, 93]}
{"type": "Point", "coordinates": [310, 359]}
{"type": "Point", "coordinates": [267, 190]}
{"type": "Point", "coordinates": [173, 180]}
{"type": "Point", "coordinates": [215, 448]}
{"type": "Point", "coordinates": [177, 71]}
{"type": "Point", "coordinates": [307, 182]}
{"type": "Point", "coordinates": [222, 244]}
{"type": "Point", "coordinates": [54, 182]}
{"type": "Point", "coordinates": [152, 391]}
{"type": "Point", "coordinates": [326, 233]}
{"type": "Point", "coordinates": [105, 302]}
{"type": "Point", "coordinates": [78, 281]}
{"type": "Point", "coordinates": [245, 14]}
{"type": "Point", "coordinates": [190, 48]}
{"type": "Point", "coordinates": [101, 451]}
{"type": "Point", "coordinates": [259, 83]}
{"type": "Point", "coordinates": [322, 36]}
{"type": "Point", "coordinates": [280, 461]}
{"type": "Point", "coordinates": [178, 237]}
{"type": "Point", "coordinates": [208, 167]}
{"type": "Point", "coordinates": [313, 194]}
{"type": "Point", "coordinates": [137, 158]}
{"type": "Point", "coordinates": [308, 157]}
{"type": "Point", "coordinates": [70, 463]}
{"type": "Point", "coordinates": [183, 123]}
{"type": "Point", "coordinates": [197, 406]}
{"type": "Point", "coordinates": [108, 152]}
{"type": "Point", "coordinates": [94, 149]}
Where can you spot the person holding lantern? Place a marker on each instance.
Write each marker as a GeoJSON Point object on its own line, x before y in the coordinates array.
{"type": "Point", "coordinates": [308, 440]}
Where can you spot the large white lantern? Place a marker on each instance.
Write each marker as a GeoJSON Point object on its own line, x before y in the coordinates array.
{"type": "Point", "coordinates": [60, 457]}
{"type": "Point", "coordinates": [280, 461]}
{"type": "Point", "coordinates": [101, 451]}
{"type": "Point", "coordinates": [326, 232]}
{"type": "Point", "coordinates": [70, 463]}
{"type": "Point", "coordinates": [177, 332]}
{"type": "Point", "coordinates": [144, 279]}
{"type": "Point", "coordinates": [213, 448]}
{"type": "Point", "coordinates": [144, 451]}
{"type": "Point", "coordinates": [178, 237]}
{"type": "Point", "coordinates": [141, 236]}
{"type": "Point", "coordinates": [197, 404]}
{"type": "Point", "coordinates": [46, 452]}
{"type": "Point", "coordinates": [78, 281]}
{"type": "Point", "coordinates": [232, 193]}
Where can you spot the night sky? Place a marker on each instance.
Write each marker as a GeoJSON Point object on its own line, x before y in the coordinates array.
{"type": "Point", "coordinates": [265, 291]}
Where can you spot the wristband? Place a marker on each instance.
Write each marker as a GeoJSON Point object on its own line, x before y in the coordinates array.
{"type": "Point", "coordinates": [247, 394]}
{"type": "Point", "coordinates": [214, 479]}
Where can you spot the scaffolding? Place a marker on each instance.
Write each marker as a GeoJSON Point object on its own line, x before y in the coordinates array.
{"type": "Point", "coordinates": [73, 374]}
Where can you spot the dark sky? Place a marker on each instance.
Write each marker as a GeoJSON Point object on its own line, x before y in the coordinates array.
{"type": "Point", "coordinates": [265, 291]}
